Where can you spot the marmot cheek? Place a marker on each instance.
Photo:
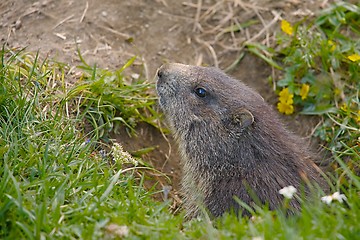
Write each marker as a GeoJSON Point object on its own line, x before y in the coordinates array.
{"type": "Point", "coordinates": [162, 103]}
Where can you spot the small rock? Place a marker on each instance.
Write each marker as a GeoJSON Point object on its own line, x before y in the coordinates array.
{"type": "Point", "coordinates": [18, 24]}
{"type": "Point", "coordinates": [135, 76]}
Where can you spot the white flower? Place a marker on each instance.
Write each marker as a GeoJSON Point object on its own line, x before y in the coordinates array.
{"type": "Point", "coordinates": [288, 192]}
{"type": "Point", "coordinates": [339, 197]}
{"type": "Point", "coordinates": [119, 155]}
{"type": "Point", "coordinates": [118, 231]}
{"type": "Point", "coordinates": [256, 219]}
{"type": "Point", "coordinates": [327, 199]}
{"type": "Point", "coordinates": [335, 196]}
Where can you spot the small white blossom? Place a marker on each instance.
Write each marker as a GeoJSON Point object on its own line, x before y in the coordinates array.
{"type": "Point", "coordinates": [117, 231]}
{"type": "Point", "coordinates": [119, 155]}
{"type": "Point", "coordinates": [327, 199]}
{"type": "Point", "coordinates": [258, 238]}
{"type": "Point", "coordinates": [335, 196]}
{"type": "Point", "coordinates": [256, 219]}
{"type": "Point", "coordinates": [339, 197]}
{"type": "Point", "coordinates": [288, 192]}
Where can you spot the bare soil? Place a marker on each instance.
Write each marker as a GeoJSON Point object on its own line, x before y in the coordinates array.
{"type": "Point", "coordinates": [109, 32]}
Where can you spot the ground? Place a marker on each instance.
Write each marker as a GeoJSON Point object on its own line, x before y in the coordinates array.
{"type": "Point", "coordinates": [109, 32]}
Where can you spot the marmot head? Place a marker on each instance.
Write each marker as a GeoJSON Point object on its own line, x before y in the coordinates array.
{"type": "Point", "coordinates": [191, 95]}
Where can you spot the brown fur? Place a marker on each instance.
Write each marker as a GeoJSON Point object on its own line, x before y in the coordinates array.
{"type": "Point", "coordinates": [231, 141]}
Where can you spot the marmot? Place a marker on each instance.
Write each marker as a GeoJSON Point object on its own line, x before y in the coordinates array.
{"type": "Point", "coordinates": [231, 141]}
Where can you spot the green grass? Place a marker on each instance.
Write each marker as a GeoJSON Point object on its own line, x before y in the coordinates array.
{"type": "Point", "coordinates": [111, 99]}
{"type": "Point", "coordinates": [59, 182]}
{"type": "Point", "coordinates": [56, 182]}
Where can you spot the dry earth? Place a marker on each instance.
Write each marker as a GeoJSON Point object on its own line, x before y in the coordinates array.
{"type": "Point", "coordinates": [109, 32]}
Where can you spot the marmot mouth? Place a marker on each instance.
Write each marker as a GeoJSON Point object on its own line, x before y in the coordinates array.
{"type": "Point", "coordinates": [165, 88]}
{"type": "Point", "coordinates": [161, 92]}
{"type": "Point", "coordinates": [162, 96]}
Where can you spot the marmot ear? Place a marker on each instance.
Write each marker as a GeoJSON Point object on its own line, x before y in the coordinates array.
{"type": "Point", "coordinates": [242, 118]}
{"type": "Point", "coordinates": [238, 121]}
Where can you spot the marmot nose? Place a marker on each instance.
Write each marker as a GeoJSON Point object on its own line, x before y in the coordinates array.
{"type": "Point", "coordinates": [161, 75]}
{"type": "Point", "coordinates": [160, 72]}
{"type": "Point", "coordinates": [171, 70]}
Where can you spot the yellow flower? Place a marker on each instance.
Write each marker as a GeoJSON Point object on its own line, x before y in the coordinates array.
{"type": "Point", "coordinates": [304, 91]}
{"type": "Point", "coordinates": [332, 45]}
{"type": "Point", "coordinates": [354, 57]}
{"type": "Point", "coordinates": [344, 107]}
{"type": "Point", "coordinates": [286, 27]}
{"type": "Point", "coordinates": [337, 91]}
{"type": "Point", "coordinates": [358, 116]}
{"type": "Point", "coordinates": [285, 108]}
{"type": "Point", "coordinates": [285, 96]}
{"type": "Point", "coordinates": [285, 102]}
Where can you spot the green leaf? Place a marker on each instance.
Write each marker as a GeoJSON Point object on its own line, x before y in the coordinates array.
{"type": "Point", "coordinates": [127, 64]}
{"type": "Point", "coordinates": [255, 49]}
{"type": "Point", "coordinates": [318, 109]}
{"type": "Point", "coordinates": [237, 27]}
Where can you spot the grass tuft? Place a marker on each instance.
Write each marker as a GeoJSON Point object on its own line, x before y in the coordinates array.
{"type": "Point", "coordinates": [110, 100]}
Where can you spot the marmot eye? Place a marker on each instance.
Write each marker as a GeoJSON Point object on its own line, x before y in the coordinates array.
{"type": "Point", "coordinates": [200, 92]}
